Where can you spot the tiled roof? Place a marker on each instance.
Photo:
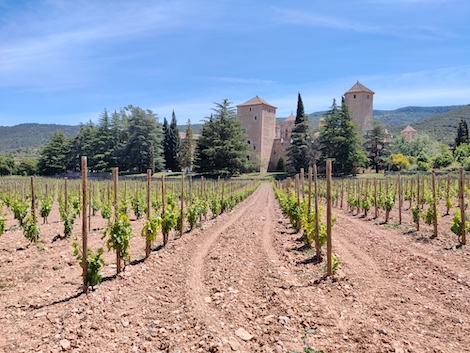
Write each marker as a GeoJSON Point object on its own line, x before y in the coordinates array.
{"type": "Point", "coordinates": [291, 117]}
{"type": "Point", "coordinates": [408, 129]}
{"type": "Point", "coordinates": [256, 101]}
{"type": "Point", "coordinates": [359, 87]}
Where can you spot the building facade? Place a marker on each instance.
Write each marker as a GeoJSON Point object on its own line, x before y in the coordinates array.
{"type": "Point", "coordinates": [359, 99]}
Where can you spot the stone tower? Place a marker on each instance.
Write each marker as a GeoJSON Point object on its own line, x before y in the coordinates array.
{"type": "Point", "coordinates": [258, 119]}
{"type": "Point", "coordinates": [360, 102]}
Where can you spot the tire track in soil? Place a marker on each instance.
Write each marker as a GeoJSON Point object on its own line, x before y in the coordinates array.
{"type": "Point", "coordinates": [389, 274]}
{"type": "Point", "coordinates": [234, 278]}
{"type": "Point", "coordinates": [196, 288]}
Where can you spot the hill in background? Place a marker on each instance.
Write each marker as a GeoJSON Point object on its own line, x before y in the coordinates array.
{"type": "Point", "coordinates": [28, 139]}
{"type": "Point", "coordinates": [439, 122]}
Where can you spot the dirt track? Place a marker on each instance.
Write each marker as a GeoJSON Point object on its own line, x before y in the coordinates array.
{"type": "Point", "coordinates": [237, 284]}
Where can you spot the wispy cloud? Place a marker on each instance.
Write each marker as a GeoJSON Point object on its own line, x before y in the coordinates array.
{"type": "Point", "coordinates": [305, 18]}
{"type": "Point", "coordinates": [245, 81]}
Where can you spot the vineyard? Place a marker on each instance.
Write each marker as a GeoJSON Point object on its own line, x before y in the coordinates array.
{"type": "Point", "coordinates": [181, 265]}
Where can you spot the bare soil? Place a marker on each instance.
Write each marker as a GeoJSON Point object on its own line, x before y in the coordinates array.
{"type": "Point", "coordinates": [241, 282]}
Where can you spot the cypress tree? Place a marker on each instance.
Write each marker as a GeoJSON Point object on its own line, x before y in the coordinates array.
{"type": "Point", "coordinates": [462, 133]}
{"type": "Point", "coordinates": [300, 151]}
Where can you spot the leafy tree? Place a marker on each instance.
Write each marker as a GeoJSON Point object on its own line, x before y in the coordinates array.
{"type": "Point", "coordinates": [171, 143]}
{"type": "Point", "coordinates": [398, 162]}
{"type": "Point", "coordinates": [339, 141]}
{"type": "Point", "coordinates": [421, 143]}
{"type": "Point", "coordinates": [7, 165]}
{"type": "Point", "coordinates": [376, 145]}
{"type": "Point", "coordinates": [222, 148]}
{"type": "Point", "coordinates": [281, 165]}
{"type": "Point", "coordinates": [27, 166]}
{"type": "Point", "coordinates": [53, 157]}
{"type": "Point", "coordinates": [145, 139]}
{"type": "Point", "coordinates": [443, 160]}
{"type": "Point", "coordinates": [300, 151]}
{"type": "Point", "coordinates": [462, 133]}
{"type": "Point", "coordinates": [186, 150]}
{"type": "Point", "coordinates": [461, 153]}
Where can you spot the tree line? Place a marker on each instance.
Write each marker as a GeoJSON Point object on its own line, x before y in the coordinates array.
{"type": "Point", "coordinates": [134, 140]}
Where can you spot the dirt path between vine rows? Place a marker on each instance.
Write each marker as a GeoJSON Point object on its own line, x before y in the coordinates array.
{"type": "Point", "coordinates": [243, 282]}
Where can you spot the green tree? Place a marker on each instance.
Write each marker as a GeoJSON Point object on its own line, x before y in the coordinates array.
{"type": "Point", "coordinates": [171, 143]}
{"type": "Point", "coordinates": [144, 149]}
{"type": "Point", "coordinates": [377, 146]}
{"type": "Point", "coordinates": [186, 150]}
{"type": "Point", "coordinates": [300, 151]}
{"type": "Point", "coordinates": [27, 166]}
{"type": "Point", "coordinates": [7, 165]}
{"type": "Point", "coordinates": [53, 157]}
{"type": "Point", "coordinates": [340, 141]}
{"type": "Point", "coordinates": [281, 165]}
{"type": "Point", "coordinates": [222, 148]}
{"type": "Point", "coordinates": [462, 133]}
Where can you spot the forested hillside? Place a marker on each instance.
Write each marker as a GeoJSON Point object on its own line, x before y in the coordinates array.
{"type": "Point", "coordinates": [441, 126]}
{"type": "Point", "coordinates": [441, 122]}
{"type": "Point", "coordinates": [28, 139]}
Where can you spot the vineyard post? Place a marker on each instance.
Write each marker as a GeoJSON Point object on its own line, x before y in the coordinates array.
{"type": "Point", "coordinates": [66, 200]}
{"type": "Point", "coordinates": [89, 206]}
{"type": "Point", "coordinates": [433, 176]}
{"type": "Point", "coordinates": [33, 204]}
{"type": "Point", "coordinates": [182, 205]}
{"type": "Point", "coordinates": [418, 197]}
{"type": "Point", "coordinates": [411, 192]}
{"type": "Point", "coordinates": [329, 259]}
{"type": "Point", "coordinates": [297, 188]}
{"type": "Point", "coordinates": [317, 228]}
{"type": "Point", "coordinates": [165, 236]}
{"type": "Point", "coordinates": [367, 198]}
{"type": "Point", "coordinates": [309, 190]}
{"type": "Point", "coordinates": [116, 209]}
{"type": "Point", "coordinates": [462, 206]}
{"type": "Point", "coordinates": [148, 243]}
{"type": "Point", "coordinates": [84, 224]}
{"type": "Point", "coordinates": [375, 199]}
{"type": "Point", "coordinates": [302, 181]}
{"type": "Point", "coordinates": [190, 180]}
{"type": "Point", "coordinates": [115, 190]}
{"type": "Point", "coordinates": [448, 192]}
{"type": "Point", "coordinates": [358, 189]}
{"type": "Point", "coordinates": [342, 193]}
{"type": "Point", "coordinates": [387, 213]}
{"type": "Point", "coordinates": [400, 198]}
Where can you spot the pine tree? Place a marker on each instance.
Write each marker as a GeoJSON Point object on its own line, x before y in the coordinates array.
{"type": "Point", "coordinates": [376, 144]}
{"type": "Point", "coordinates": [171, 143]}
{"type": "Point", "coordinates": [186, 151]}
{"type": "Point", "coordinates": [53, 157]}
{"type": "Point", "coordinates": [339, 141]}
{"type": "Point", "coordinates": [222, 148]}
{"type": "Point", "coordinates": [300, 151]}
{"type": "Point", "coordinates": [145, 139]}
{"type": "Point", "coordinates": [462, 133]}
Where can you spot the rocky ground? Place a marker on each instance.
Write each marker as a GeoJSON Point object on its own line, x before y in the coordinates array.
{"type": "Point", "coordinates": [241, 282]}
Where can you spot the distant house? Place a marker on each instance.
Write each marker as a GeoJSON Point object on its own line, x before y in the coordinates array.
{"type": "Point", "coordinates": [409, 133]}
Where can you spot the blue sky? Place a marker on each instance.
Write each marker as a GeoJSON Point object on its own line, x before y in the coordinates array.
{"type": "Point", "coordinates": [64, 61]}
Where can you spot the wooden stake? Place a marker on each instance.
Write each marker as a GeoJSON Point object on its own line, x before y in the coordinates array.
{"type": "Point", "coordinates": [462, 207]}
{"type": "Point", "coordinates": [329, 259]}
{"type": "Point", "coordinates": [148, 244]}
{"type": "Point", "coordinates": [434, 208]}
{"type": "Point", "coordinates": [317, 219]}
{"type": "Point", "coordinates": [84, 224]}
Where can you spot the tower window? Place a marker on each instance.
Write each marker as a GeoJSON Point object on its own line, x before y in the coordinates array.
{"type": "Point", "coordinates": [367, 96]}
{"type": "Point", "coordinates": [255, 117]}
{"type": "Point", "coordinates": [249, 142]}
{"type": "Point", "coordinates": [250, 109]}
{"type": "Point", "coordinates": [254, 147]}
{"type": "Point", "coordinates": [354, 96]}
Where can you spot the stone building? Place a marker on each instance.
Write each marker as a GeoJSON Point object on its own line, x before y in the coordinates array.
{"type": "Point", "coordinates": [270, 140]}
{"type": "Point", "coordinates": [409, 133]}
{"type": "Point", "coordinates": [359, 99]}
{"type": "Point", "coordinates": [258, 119]}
